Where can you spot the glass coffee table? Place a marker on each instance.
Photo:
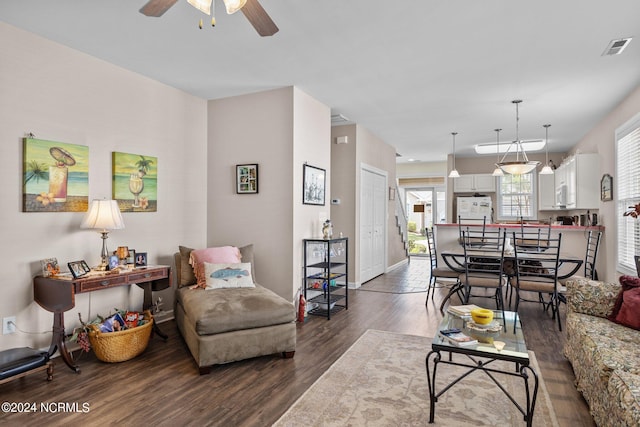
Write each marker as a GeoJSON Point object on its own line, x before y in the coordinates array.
{"type": "Point", "coordinates": [481, 355]}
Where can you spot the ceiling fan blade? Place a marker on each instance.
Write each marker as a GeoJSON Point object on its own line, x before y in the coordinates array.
{"type": "Point", "coordinates": [157, 8]}
{"type": "Point", "coordinates": [259, 18]}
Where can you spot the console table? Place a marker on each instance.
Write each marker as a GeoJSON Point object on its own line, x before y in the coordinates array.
{"type": "Point", "coordinates": [57, 295]}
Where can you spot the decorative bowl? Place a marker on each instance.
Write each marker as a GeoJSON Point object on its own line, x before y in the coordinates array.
{"type": "Point", "coordinates": [482, 316]}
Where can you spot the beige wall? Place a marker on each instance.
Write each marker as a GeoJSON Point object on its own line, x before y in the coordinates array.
{"type": "Point", "coordinates": [63, 95]}
{"type": "Point", "coordinates": [280, 130]}
{"type": "Point", "coordinates": [601, 139]}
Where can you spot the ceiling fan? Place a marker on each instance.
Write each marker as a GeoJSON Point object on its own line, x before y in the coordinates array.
{"type": "Point", "coordinates": [252, 9]}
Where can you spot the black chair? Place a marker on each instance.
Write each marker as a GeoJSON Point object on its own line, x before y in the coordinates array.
{"type": "Point", "coordinates": [440, 273]}
{"type": "Point", "coordinates": [533, 237]}
{"type": "Point", "coordinates": [593, 242]}
{"type": "Point", "coordinates": [537, 274]}
{"type": "Point", "coordinates": [474, 229]}
{"type": "Point", "coordinates": [484, 266]}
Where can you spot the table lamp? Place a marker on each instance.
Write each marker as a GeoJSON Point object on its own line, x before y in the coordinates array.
{"type": "Point", "coordinates": [103, 215]}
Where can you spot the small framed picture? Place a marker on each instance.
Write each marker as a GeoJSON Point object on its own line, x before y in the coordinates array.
{"type": "Point", "coordinates": [141, 259]}
{"type": "Point", "coordinates": [247, 179]}
{"type": "Point", "coordinates": [50, 267]}
{"type": "Point", "coordinates": [606, 188]}
{"type": "Point", "coordinates": [113, 262]}
{"type": "Point", "coordinates": [131, 259]}
{"type": "Point", "coordinates": [78, 268]}
{"type": "Point", "coordinates": [313, 184]}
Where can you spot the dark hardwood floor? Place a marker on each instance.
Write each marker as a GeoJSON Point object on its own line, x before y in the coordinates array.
{"type": "Point", "coordinates": [162, 386]}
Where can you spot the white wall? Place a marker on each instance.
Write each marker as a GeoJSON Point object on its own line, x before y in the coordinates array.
{"type": "Point", "coordinates": [280, 130]}
{"type": "Point", "coordinates": [601, 139]}
{"type": "Point", "coordinates": [63, 95]}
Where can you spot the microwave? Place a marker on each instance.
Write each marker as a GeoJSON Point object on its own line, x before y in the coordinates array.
{"type": "Point", "coordinates": [561, 196]}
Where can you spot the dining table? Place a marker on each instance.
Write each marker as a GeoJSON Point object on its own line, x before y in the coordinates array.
{"type": "Point", "coordinates": [454, 257]}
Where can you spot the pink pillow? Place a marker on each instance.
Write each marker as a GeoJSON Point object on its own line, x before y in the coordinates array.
{"type": "Point", "coordinates": [629, 314]}
{"type": "Point", "coordinates": [627, 282]}
{"type": "Point", "coordinates": [219, 255]}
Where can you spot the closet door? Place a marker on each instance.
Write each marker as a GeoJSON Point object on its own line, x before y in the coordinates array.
{"type": "Point", "coordinates": [373, 225]}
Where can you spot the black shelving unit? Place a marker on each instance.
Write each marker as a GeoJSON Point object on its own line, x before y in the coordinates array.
{"type": "Point", "coordinates": [326, 266]}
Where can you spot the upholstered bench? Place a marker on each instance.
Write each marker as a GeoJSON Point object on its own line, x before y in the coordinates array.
{"type": "Point", "coordinates": [18, 362]}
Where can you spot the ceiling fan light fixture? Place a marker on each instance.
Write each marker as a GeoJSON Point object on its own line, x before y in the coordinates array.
{"type": "Point", "coordinates": [234, 5]}
{"type": "Point", "coordinates": [203, 6]}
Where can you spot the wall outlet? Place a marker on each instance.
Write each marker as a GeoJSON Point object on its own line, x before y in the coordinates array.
{"type": "Point", "coordinates": [8, 325]}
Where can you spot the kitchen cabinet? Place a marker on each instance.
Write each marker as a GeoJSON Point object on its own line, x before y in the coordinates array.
{"type": "Point", "coordinates": [546, 193]}
{"type": "Point", "coordinates": [580, 175]}
{"type": "Point", "coordinates": [474, 183]}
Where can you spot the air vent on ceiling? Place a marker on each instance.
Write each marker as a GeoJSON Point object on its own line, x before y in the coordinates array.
{"type": "Point", "coordinates": [615, 47]}
{"type": "Point", "coordinates": [338, 118]}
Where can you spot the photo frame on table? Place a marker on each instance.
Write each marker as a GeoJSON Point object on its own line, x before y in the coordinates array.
{"type": "Point", "coordinates": [131, 259]}
{"type": "Point", "coordinates": [78, 268]}
{"type": "Point", "coordinates": [247, 179]}
{"type": "Point", "coordinates": [50, 267]}
{"type": "Point", "coordinates": [141, 259]}
{"type": "Point", "coordinates": [313, 185]}
{"type": "Point", "coordinates": [114, 262]}
{"type": "Point", "coordinates": [606, 188]}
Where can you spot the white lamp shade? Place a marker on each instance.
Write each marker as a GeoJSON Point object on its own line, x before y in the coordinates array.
{"type": "Point", "coordinates": [454, 174]}
{"type": "Point", "coordinates": [497, 172]}
{"type": "Point", "coordinates": [546, 170]}
{"type": "Point", "coordinates": [518, 168]}
{"type": "Point", "coordinates": [233, 6]}
{"type": "Point", "coordinates": [103, 215]}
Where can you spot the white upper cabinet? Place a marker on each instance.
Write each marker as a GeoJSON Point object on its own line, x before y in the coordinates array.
{"type": "Point", "coordinates": [475, 183]}
{"type": "Point", "coordinates": [579, 179]}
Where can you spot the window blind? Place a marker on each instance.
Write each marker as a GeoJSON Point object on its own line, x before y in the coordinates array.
{"type": "Point", "coordinates": [627, 191]}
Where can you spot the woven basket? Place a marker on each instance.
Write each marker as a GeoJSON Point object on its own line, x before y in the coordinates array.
{"type": "Point", "coordinates": [122, 345]}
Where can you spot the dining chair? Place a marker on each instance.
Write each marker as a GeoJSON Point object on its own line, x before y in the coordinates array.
{"type": "Point", "coordinates": [475, 230]}
{"type": "Point", "coordinates": [534, 237]}
{"type": "Point", "coordinates": [593, 242]}
{"type": "Point", "coordinates": [537, 276]}
{"type": "Point", "coordinates": [483, 267]}
{"type": "Point", "coordinates": [437, 273]}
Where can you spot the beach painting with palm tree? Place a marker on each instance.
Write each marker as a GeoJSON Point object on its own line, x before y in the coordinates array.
{"type": "Point", "coordinates": [55, 176]}
{"type": "Point", "coordinates": [135, 179]}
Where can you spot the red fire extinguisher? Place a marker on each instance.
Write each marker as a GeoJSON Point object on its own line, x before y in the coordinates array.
{"type": "Point", "coordinates": [302, 308]}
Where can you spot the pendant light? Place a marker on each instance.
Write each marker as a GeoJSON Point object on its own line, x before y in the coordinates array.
{"type": "Point", "coordinates": [454, 173]}
{"type": "Point", "coordinates": [497, 171]}
{"type": "Point", "coordinates": [521, 165]}
{"type": "Point", "coordinates": [546, 170]}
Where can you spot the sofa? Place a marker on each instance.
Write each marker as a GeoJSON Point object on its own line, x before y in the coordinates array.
{"type": "Point", "coordinates": [605, 355]}
{"type": "Point", "coordinates": [224, 325]}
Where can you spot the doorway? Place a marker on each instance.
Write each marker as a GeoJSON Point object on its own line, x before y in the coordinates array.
{"type": "Point", "coordinates": [424, 206]}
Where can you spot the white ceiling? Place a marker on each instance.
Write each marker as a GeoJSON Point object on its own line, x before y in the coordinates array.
{"type": "Point", "coordinates": [410, 71]}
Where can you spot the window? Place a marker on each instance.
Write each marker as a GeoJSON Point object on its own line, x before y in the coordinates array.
{"type": "Point", "coordinates": [517, 197]}
{"type": "Point", "coordinates": [627, 193]}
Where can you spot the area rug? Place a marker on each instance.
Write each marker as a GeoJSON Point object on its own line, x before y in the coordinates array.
{"type": "Point", "coordinates": [381, 381]}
